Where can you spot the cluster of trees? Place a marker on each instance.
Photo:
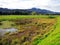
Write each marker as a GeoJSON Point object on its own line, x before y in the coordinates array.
{"type": "Point", "coordinates": [33, 11]}
{"type": "Point", "coordinates": [15, 12]}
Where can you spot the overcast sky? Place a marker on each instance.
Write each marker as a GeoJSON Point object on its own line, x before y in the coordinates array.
{"type": "Point", "coordinates": [53, 5]}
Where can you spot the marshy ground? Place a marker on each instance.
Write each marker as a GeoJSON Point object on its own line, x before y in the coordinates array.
{"type": "Point", "coordinates": [28, 30]}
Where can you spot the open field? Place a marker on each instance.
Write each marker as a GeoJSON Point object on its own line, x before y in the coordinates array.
{"type": "Point", "coordinates": [31, 30]}
{"type": "Point", "coordinates": [12, 17]}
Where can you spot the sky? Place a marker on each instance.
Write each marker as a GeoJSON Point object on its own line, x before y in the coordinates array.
{"type": "Point", "coordinates": [53, 5]}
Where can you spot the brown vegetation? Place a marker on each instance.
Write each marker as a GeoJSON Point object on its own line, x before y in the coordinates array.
{"type": "Point", "coordinates": [28, 29]}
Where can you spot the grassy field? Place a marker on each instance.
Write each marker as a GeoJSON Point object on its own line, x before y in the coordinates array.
{"type": "Point", "coordinates": [54, 37]}
{"type": "Point", "coordinates": [12, 17]}
{"type": "Point", "coordinates": [45, 30]}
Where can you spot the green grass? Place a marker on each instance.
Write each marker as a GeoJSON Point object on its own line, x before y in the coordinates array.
{"type": "Point", "coordinates": [6, 24]}
{"type": "Point", "coordinates": [13, 17]}
{"type": "Point", "coordinates": [54, 37]}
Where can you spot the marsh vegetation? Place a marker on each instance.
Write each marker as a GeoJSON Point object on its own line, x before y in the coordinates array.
{"type": "Point", "coordinates": [25, 31]}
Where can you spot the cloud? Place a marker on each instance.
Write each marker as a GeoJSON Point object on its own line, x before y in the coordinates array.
{"type": "Point", "coordinates": [53, 5]}
{"type": "Point", "coordinates": [23, 3]}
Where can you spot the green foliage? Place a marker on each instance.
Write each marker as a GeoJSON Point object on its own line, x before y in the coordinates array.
{"type": "Point", "coordinates": [36, 41]}
{"type": "Point", "coordinates": [50, 16]}
{"type": "Point", "coordinates": [33, 13]}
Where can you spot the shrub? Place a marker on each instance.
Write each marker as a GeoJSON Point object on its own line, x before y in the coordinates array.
{"type": "Point", "coordinates": [51, 16]}
{"type": "Point", "coordinates": [0, 23]}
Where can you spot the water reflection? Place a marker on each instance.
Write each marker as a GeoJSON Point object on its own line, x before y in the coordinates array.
{"type": "Point", "coordinates": [3, 31]}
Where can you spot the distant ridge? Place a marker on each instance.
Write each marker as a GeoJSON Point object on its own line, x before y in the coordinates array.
{"type": "Point", "coordinates": [25, 11]}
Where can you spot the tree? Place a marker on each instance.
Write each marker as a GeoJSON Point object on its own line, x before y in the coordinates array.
{"type": "Point", "coordinates": [33, 13]}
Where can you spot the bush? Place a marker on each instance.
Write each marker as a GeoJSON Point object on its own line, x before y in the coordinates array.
{"type": "Point", "coordinates": [0, 23]}
{"type": "Point", "coordinates": [50, 16]}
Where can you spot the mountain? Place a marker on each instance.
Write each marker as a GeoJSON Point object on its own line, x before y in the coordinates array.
{"type": "Point", "coordinates": [25, 11]}
{"type": "Point", "coordinates": [42, 11]}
